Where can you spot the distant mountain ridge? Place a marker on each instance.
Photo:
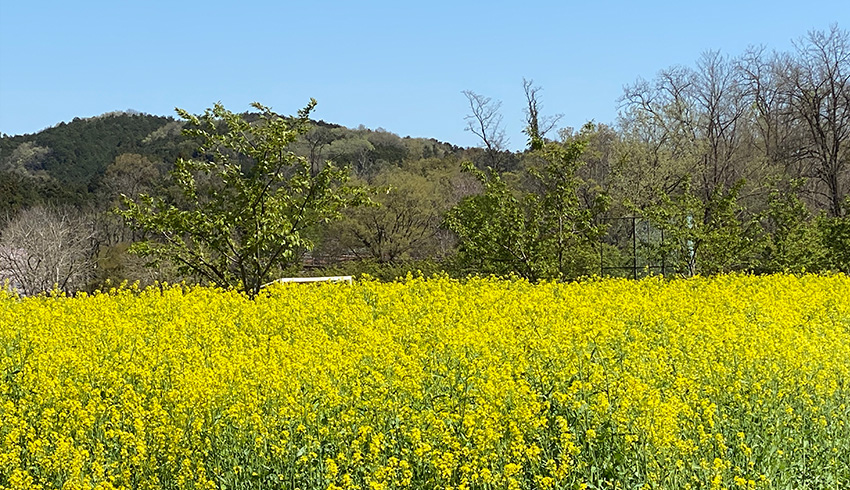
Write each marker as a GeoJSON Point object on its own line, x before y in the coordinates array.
{"type": "Point", "coordinates": [65, 163]}
{"type": "Point", "coordinates": [76, 152]}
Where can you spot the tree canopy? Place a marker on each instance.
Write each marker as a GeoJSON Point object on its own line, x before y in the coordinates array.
{"type": "Point", "coordinates": [241, 207]}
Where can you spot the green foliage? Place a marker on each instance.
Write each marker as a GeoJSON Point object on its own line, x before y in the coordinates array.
{"type": "Point", "coordinates": [405, 223]}
{"type": "Point", "coordinates": [539, 231]}
{"type": "Point", "coordinates": [492, 230]}
{"type": "Point", "coordinates": [19, 192]}
{"type": "Point", "coordinates": [716, 236]}
{"type": "Point", "coordinates": [836, 240]}
{"type": "Point", "coordinates": [793, 240]}
{"type": "Point", "coordinates": [703, 236]}
{"type": "Point", "coordinates": [244, 205]}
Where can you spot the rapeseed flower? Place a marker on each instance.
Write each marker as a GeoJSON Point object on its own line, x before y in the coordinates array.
{"type": "Point", "coordinates": [724, 382]}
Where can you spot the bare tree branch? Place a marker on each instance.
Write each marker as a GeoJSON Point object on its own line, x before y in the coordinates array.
{"type": "Point", "coordinates": [42, 249]}
{"type": "Point", "coordinates": [485, 121]}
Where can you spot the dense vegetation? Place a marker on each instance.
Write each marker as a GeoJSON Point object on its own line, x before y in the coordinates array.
{"type": "Point", "coordinates": [739, 163]}
{"type": "Point", "coordinates": [704, 383]}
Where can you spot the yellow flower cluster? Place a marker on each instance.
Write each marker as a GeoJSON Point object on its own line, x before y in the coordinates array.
{"type": "Point", "coordinates": [725, 382]}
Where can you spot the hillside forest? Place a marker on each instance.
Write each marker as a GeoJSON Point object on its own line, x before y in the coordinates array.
{"type": "Point", "coordinates": [739, 162]}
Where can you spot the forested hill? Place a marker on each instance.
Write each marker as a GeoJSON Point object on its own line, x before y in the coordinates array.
{"type": "Point", "coordinates": [66, 163]}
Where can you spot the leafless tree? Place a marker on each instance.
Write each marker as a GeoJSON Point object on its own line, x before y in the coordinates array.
{"type": "Point", "coordinates": [697, 118]}
{"type": "Point", "coordinates": [818, 83]}
{"type": "Point", "coordinates": [485, 121]}
{"type": "Point", "coordinates": [42, 249]}
{"type": "Point", "coordinates": [776, 132]}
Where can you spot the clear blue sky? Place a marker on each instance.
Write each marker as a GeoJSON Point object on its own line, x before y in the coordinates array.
{"type": "Point", "coordinates": [391, 64]}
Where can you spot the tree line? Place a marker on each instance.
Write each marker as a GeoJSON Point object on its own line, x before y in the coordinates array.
{"type": "Point", "coordinates": [737, 163]}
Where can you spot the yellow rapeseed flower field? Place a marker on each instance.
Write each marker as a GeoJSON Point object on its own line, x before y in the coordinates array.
{"type": "Point", "coordinates": [725, 382]}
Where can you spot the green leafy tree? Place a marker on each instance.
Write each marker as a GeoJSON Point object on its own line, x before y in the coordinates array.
{"type": "Point", "coordinates": [836, 240]}
{"type": "Point", "coordinates": [704, 236]}
{"type": "Point", "coordinates": [404, 226]}
{"type": "Point", "coordinates": [797, 241]}
{"type": "Point", "coordinates": [538, 231]}
{"type": "Point", "coordinates": [244, 203]}
{"type": "Point", "coordinates": [793, 239]}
